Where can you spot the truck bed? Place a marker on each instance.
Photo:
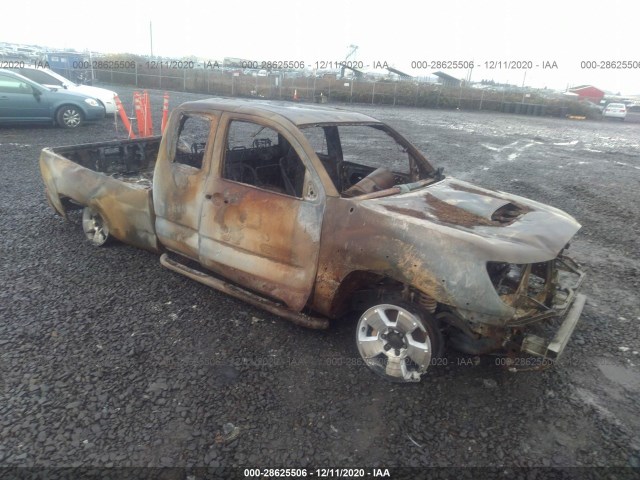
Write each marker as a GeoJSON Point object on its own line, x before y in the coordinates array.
{"type": "Point", "coordinates": [130, 161]}
{"type": "Point", "coordinates": [114, 178]}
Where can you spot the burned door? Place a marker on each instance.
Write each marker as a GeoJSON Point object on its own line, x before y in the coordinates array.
{"type": "Point", "coordinates": [261, 222]}
{"type": "Point", "coordinates": [179, 181]}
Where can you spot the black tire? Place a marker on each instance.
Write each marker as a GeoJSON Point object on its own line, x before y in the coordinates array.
{"type": "Point", "coordinates": [69, 116]}
{"type": "Point", "coordinates": [398, 340]}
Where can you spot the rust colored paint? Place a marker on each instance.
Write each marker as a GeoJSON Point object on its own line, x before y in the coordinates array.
{"type": "Point", "coordinates": [252, 232]}
{"type": "Point", "coordinates": [354, 240]}
{"type": "Point", "coordinates": [475, 190]}
{"type": "Point", "coordinates": [179, 189]}
{"type": "Point", "coordinates": [448, 213]}
{"type": "Point", "coordinates": [407, 211]}
{"type": "Point", "coordinates": [126, 207]}
{"type": "Point", "coordinates": [264, 240]}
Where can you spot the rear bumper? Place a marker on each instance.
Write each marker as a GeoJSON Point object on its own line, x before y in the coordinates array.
{"type": "Point", "coordinates": [552, 349]}
{"type": "Point", "coordinates": [614, 115]}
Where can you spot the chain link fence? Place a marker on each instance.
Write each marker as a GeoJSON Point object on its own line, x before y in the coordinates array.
{"type": "Point", "coordinates": [330, 88]}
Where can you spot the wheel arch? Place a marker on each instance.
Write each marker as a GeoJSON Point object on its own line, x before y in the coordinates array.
{"type": "Point", "coordinates": [376, 283]}
{"type": "Point", "coordinates": [353, 282]}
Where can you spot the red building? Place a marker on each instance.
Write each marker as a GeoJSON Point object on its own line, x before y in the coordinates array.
{"type": "Point", "coordinates": [588, 92]}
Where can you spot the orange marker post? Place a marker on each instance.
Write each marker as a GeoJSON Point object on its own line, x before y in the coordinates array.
{"type": "Point", "coordinates": [165, 112]}
{"type": "Point", "coordinates": [148, 116]}
{"type": "Point", "coordinates": [123, 117]}
{"type": "Point", "coordinates": [140, 119]}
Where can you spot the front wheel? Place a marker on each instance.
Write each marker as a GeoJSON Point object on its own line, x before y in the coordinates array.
{"type": "Point", "coordinates": [70, 116]}
{"type": "Point", "coordinates": [398, 341]}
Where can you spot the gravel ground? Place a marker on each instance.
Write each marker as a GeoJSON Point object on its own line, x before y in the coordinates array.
{"type": "Point", "coordinates": [107, 359]}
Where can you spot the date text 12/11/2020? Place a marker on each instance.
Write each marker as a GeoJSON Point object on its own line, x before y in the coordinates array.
{"type": "Point", "coordinates": [317, 472]}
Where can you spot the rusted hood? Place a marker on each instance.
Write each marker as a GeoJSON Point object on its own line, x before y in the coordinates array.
{"type": "Point", "coordinates": [520, 229]}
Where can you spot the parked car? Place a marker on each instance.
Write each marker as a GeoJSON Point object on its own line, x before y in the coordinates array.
{"type": "Point", "coordinates": [592, 107]}
{"type": "Point", "coordinates": [51, 79]}
{"type": "Point", "coordinates": [24, 101]}
{"type": "Point", "coordinates": [311, 213]}
{"type": "Point", "coordinates": [615, 110]}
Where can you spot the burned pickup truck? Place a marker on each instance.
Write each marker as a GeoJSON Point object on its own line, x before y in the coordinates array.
{"type": "Point", "coordinates": [313, 213]}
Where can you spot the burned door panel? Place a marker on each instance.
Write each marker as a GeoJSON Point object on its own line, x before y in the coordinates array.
{"type": "Point", "coordinates": [261, 221]}
{"type": "Point", "coordinates": [180, 179]}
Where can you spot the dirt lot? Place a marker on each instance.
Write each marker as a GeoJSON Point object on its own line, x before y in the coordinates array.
{"type": "Point", "coordinates": [107, 359]}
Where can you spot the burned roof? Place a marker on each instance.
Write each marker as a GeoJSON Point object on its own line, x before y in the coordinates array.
{"type": "Point", "coordinates": [297, 114]}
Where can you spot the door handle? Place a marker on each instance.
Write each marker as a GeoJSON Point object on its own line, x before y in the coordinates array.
{"type": "Point", "coordinates": [217, 198]}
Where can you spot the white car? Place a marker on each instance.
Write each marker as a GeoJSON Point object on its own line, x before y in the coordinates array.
{"type": "Point", "coordinates": [51, 79]}
{"type": "Point", "coordinates": [615, 110]}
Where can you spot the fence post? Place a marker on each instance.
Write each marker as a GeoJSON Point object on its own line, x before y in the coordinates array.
{"type": "Point", "coordinates": [481, 98]}
{"type": "Point", "coordinates": [136, 73]}
{"type": "Point", "coordinates": [314, 86]}
{"type": "Point", "coordinates": [373, 91]}
{"type": "Point", "coordinates": [353, 80]}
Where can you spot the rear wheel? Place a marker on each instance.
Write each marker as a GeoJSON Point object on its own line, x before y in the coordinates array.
{"type": "Point", "coordinates": [69, 116]}
{"type": "Point", "coordinates": [95, 228]}
{"type": "Point", "coordinates": [398, 340]}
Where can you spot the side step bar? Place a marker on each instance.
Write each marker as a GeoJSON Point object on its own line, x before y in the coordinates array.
{"type": "Point", "coordinates": [244, 295]}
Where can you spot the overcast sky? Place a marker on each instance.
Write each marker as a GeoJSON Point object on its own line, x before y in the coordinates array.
{"type": "Point", "coordinates": [397, 32]}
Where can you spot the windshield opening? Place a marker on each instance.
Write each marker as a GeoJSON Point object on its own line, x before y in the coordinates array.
{"type": "Point", "coordinates": [366, 158]}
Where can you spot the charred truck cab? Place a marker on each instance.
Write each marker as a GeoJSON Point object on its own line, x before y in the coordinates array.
{"type": "Point", "coordinates": [311, 213]}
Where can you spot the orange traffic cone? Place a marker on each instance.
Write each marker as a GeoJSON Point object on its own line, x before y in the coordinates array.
{"type": "Point", "coordinates": [295, 95]}
{"type": "Point", "coordinates": [124, 118]}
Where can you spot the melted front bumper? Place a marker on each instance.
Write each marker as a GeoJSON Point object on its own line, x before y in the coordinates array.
{"type": "Point", "coordinates": [542, 347]}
